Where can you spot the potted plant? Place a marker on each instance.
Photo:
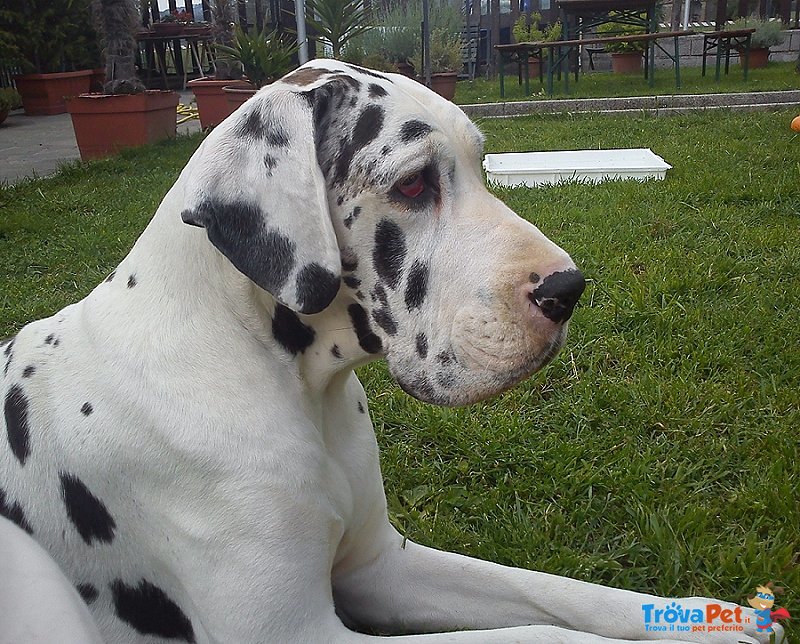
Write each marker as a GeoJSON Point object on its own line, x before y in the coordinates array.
{"type": "Point", "coordinates": [337, 21]}
{"type": "Point", "coordinates": [445, 61]}
{"type": "Point", "coordinates": [400, 35]}
{"type": "Point", "coordinates": [125, 114]}
{"type": "Point", "coordinates": [626, 57]}
{"type": "Point", "coordinates": [767, 33]}
{"type": "Point", "coordinates": [212, 102]}
{"type": "Point", "coordinates": [526, 29]}
{"type": "Point", "coordinates": [9, 100]}
{"type": "Point", "coordinates": [54, 45]}
{"type": "Point", "coordinates": [171, 24]}
{"type": "Point", "coordinates": [264, 57]}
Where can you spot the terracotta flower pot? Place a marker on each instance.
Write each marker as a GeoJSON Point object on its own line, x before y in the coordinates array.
{"type": "Point", "coordinates": [212, 101]}
{"type": "Point", "coordinates": [167, 29]}
{"type": "Point", "coordinates": [105, 123]}
{"type": "Point", "coordinates": [444, 84]}
{"type": "Point", "coordinates": [43, 94]}
{"type": "Point", "coordinates": [759, 57]}
{"type": "Point", "coordinates": [237, 96]}
{"type": "Point", "coordinates": [626, 62]}
{"type": "Point", "coordinates": [534, 65]}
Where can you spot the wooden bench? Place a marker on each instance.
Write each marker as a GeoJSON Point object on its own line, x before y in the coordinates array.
{"type": "Point", "coordinates": [560, 50]}
{"type": "Point", "coordinates": [722, 42]}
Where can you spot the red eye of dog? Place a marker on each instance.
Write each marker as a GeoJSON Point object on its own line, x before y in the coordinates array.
{"type": "Point", "coordinates": [412, 186]}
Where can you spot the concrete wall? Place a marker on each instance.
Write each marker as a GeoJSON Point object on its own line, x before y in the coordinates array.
{"type": "Point", "coordinates": [691, 49]}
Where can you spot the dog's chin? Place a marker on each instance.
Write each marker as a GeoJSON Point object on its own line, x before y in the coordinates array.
{"type": "Point", "coordinates": [460, 387]}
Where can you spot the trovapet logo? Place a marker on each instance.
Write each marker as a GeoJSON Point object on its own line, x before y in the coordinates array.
{"type": "Point", "coordinates": [710, 618]}
{"type": "Point", "coordinates": [763, 600]}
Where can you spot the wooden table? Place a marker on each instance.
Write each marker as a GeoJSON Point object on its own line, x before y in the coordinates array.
{"type": "Point", "coordinates": [722, 42]}
{"type": "Point", "coordinates": [559, 51]}
{"type": "Point", "coordinates": [157, 46]}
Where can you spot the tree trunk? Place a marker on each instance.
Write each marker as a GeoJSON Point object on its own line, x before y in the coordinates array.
{"type": "Point", "coordinates": [117, 20]}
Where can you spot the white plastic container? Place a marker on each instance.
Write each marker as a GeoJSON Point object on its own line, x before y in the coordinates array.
{"type": "Point", "coordinates": [592, 166]}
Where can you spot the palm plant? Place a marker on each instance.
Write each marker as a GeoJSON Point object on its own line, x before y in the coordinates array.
{"type": "Point", "coordinates": [264, 56]}
{"type": "Point", "coordinates": [117, 21]}
{"type": "Point", "coordinates": [337, 21]}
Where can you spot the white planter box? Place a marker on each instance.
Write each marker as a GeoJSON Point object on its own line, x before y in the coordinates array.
{"type": "Point", "coordinates": [592, 166]}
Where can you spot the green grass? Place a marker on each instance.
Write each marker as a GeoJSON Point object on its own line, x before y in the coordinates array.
{"type": "Point", "coordinates": [659, 452]}
{"type": "Point", "coordinates": [776, 76]}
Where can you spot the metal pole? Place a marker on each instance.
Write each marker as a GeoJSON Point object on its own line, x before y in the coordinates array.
{"type": "Point", "coordinates": [302, 39]}
{"type": "Point", "coordinates": [426, 42]}
{"type": "Point", "coordinates": [687, 5]}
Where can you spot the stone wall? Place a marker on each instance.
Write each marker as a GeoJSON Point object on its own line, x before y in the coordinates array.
{"type": "Point", "coordinates": [691, 48]}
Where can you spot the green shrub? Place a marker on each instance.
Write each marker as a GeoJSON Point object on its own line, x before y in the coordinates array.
{"type": "Point", "coordinates": [620, 29]}
{"type": "Point", "coordinates": [767, 32]}
{"type": "Point", "coordinates": [9, 99]}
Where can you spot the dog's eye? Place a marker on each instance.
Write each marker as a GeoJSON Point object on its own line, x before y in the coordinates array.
{"type": "Point", "coordinates": [412, 186]}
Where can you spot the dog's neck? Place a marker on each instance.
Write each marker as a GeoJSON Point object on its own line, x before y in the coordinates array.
{"type": "Point", "coordinates": [313, 349]}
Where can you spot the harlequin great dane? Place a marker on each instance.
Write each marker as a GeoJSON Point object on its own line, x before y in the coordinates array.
{"type": "Point", "coordinates": [189, 442]}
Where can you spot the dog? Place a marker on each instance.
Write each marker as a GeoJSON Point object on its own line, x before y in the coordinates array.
{"type": "Point", "coordinates": [189, 442]}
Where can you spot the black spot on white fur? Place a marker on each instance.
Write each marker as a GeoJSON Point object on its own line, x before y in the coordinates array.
{"type": "Point", "coordinates": [389, 252]}
{"type": "Point", "coordinates": [413, 130]}
{"type": "Point", "coordinates": [422, 345]}
{"type": "Point", "coordinates": [238, 231]}
{"type": "Point", "coordinates": [385, 320]}
{"type": "Point", "coordinates": [348, 222]}
{"type": "Point", "coordinates": [90, 517]}
{"type": "Point", "coordinates": [28, 371]}
{"type": "Point", "coordinates": [367, 72]}
{"type": "Point", "coordinates": [367, 128]}
{"type": "Point", "coordinates": [131, 281]}
{"type": "Point", "coordinates": [367, 340]}
{"type": "Point", "coordinates": [417, 285]}
{"type": "Point", "coordinates": [316, 288]}
{"type": "Point", "coordinates": [254, 125]}
{"type": "Point", "coordinates": [88, 592]}
{"type": "Point", "coordinates": [351, 282]}
{"type": "Point", "coordinates": [51, 338]}
{"type": "Point", "coordinates": [376, 91]}
{"type": "Point", "coordinates": [9, 354]}
{"type": "Point", "coordinates": [86, 408]}
{"type": "Point", "coordinates": [16, 415]}
{"type": "Point", "coordinates": [290, 332]}
{"type": "Point", "coordinates": [361, 409]}
{"type": "Point", "coordinates": [13, 512]}
{"type": "Point", "coordinates": [336, 352]}
{"type": "Point", "coordinates": [150, 611]}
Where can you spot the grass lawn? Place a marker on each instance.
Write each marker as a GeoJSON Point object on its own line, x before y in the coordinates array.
{"type": "Point", "coordinates": [659, 452]}
{"type": "Point", "coordinates": [776, 76]}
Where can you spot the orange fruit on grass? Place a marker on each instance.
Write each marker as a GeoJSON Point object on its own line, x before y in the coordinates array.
{"type": "Point", "coordinates": [796, 123]}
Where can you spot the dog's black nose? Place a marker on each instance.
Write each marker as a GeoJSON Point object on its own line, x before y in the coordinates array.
{"type": "Point", "coordinates": [557, 295]}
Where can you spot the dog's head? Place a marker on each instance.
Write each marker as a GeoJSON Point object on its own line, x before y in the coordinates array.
{"type": "Point", "coordinates": [340, 188]}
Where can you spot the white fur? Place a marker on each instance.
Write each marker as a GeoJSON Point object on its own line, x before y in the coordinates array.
{"type": "Point", "coordinates": [243, 480]}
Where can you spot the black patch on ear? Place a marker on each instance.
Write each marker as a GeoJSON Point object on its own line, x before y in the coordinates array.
{"type": "Point", "coordinates": [361, 409]}
{"type": "Point", "coordinates": [16, 414]}
{"type": "Point", "coordinates": [111, 275]}
{"type": "Point", "coordinates": [238, 231]}
{"type": "Point", "coordinates": [336, 352]}
{"type": "Point", "coordinates": [150, 611]}
{"type": "Point", "coordinates": [88, 592]}
{"type": "Point", "coordinates": [413, 130]}
{"type": "Point", "coordinates": [367, 72]}
{"type": "Point", "coordinates": [13, 512]}
{"type": "Point", "coordinates": [385, 320]}
{"type": "Point", "coordinates": [367, 340]}
{"type": "Point", "coordinates": [422, 345]}
{"type": "Point", "coordinates": [417, 285]}
{"type": "Point", "coordinates": [316, 288]}
{"type": "Point", "coordinates": [131, 281]}
{"type": "Point", "coordinates": [86, 409]}
{"type": "Point", "coordinates": [290, 332]}
{"type": "Point", "coordinates": [389, 252]}
{"type": "Point", "coordinates": [28, 371]}
{"type": "Point", "coordinates": [86, 511]}
{"type": "Point", "coordinates": [352, 282]}
{"type": "Point", "coordinates": [376, 91]}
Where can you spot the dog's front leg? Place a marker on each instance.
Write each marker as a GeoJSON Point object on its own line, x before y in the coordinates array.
{"type": "Point", "coordinates": [409, 588]}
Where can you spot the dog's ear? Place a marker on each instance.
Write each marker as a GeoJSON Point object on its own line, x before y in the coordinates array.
{"type": "Point", "coordinates": [256, 187]}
